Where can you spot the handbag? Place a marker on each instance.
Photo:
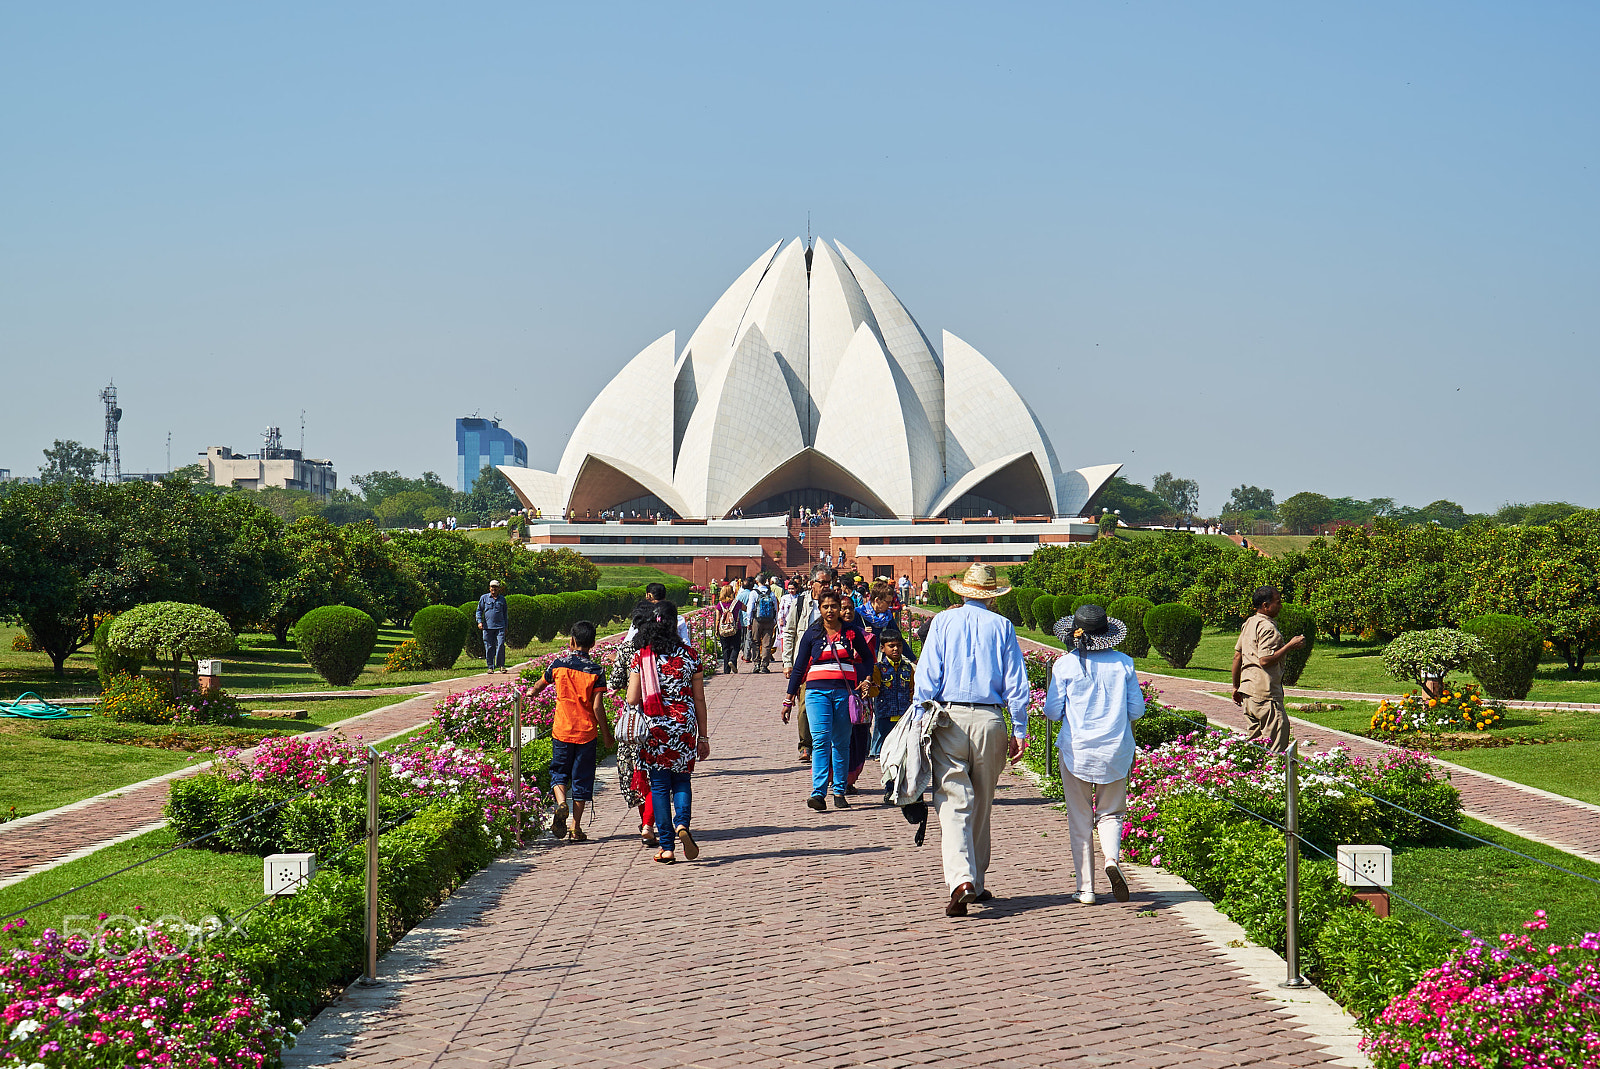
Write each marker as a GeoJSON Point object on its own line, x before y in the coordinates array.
{"type": "Point", "coordinates": [632, 726]}
{"type": "Point", "coordinates": [858, 708]}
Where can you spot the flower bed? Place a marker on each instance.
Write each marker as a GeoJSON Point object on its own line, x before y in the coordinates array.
{"type": "Point", "coordinates": [144, 998]}
{"type": "Point", "coordinates": [1510, 1002]}
{"type": "Point", "coordinates": [1459, 708]}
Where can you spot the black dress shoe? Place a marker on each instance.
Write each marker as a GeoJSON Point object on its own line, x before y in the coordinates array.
{"type": "Point", "coordinates": [984, 895]}
{"type": "Point", "coordinates": [817, 802]}
{"type": "Point", "coordinates": [841, 802]}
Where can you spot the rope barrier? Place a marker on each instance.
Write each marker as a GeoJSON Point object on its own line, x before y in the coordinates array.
{"type": "Point", "coordinates": [1390, 891]}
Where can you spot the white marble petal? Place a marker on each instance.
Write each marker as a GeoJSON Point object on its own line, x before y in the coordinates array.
{"type": "Point", "coordinates": [838, 307]}
{"type": "Point", "coordinates": [780, 308]}
{"type": "Point", "coordinates": [1075, 489]}
{"type": "Point", "coordinates": [543, 490]}
{"type": "Point", "coordinates": [709, 345]}
{"type": "Point", "coordinates": [985, 418]}
{"type": "Point", "coordinates": [632, 417]}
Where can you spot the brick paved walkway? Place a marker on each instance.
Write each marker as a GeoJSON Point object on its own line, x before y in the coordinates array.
{"type": "Point", "coordinates": [799, 940]}
{"type": "Point", "coordinates": [34, 842]}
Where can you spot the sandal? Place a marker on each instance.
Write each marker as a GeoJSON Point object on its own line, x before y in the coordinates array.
{"type": "Point", "coordinates": [648, 838]}
{"type": "Point", "coordinates": [579, 835]}
{"type": "Point", "coordinates": [665, 857]}
{"type": "Point", "coordinates": [691, 849]}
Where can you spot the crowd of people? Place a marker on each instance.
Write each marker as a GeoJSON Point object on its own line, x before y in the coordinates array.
{"type": "Point", "coordinates": [853, 678]}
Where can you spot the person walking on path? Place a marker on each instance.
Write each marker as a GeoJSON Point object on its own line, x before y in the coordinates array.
{"type": "Point", "coordinates": [764, 626]}
{"type": "Point", "coordinates": [1094, 694]}
{"type": "Point", "coordinates": [894, 676]}
{"type": "Point", "coordinates": [492, 622]}
{"type": "Point", "coordinates": [804, 613]}
{"type": "Point", "coordinates": [727, 621]}
{"type": "Point", "coordinates": [580, 722]}
{"type": "Point", "coordinates": [654, 592]}
{"type": "Point", "coordinates": [746, 596]}
{"type": "Point", "coordinates": [972, 668]}
{"type": "Point", "coordinates": [1258, 670]}
{"type": "Point", "coordinates": [833, 662]}
{"type": "Point", "coordinates": [665, 681]}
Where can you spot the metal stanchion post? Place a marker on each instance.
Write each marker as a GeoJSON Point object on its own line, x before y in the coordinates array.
{"type": "Point", "coordinates": [516, 766]}
{"type": "Point", "coordinates": [1291, 842]}
{"type": "Point", "coordinates": [371, 976]}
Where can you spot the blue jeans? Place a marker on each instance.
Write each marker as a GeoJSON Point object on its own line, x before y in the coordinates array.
{"type": "Point", "coordinates": [494, 646]}
{"type": "Point", "coordinates": [828, 713]}
{"type": "Point", "coordinates": [674, 787]}
{"type": "Point", "coordinates": [881, 726]}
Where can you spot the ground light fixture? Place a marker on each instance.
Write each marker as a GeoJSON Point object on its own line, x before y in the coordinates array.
{"type": "Point", "coordinates": [1367, 870]}
{"type": "Point", "coordinates": [286, 874]}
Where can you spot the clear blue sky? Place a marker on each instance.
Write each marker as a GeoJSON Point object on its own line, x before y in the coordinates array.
{"type": "Point", "coordinates": [1344, 247]}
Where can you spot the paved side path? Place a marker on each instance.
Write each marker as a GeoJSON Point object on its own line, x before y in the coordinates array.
{"type": "Point", "coordinates": [802, 940]}
{"type": "Point", "coordinates": [34, 842]}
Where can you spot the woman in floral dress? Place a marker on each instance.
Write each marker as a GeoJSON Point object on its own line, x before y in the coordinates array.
{"type": "Point", "coordinates": [632, 779]}
{"type": "Point", "coordinates": [666, 680]}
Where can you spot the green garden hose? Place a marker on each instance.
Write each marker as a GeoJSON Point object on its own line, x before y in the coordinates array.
{"type": "Point", "coordinates": [37, 709]}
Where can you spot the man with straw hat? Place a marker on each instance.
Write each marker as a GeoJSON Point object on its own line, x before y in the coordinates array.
{"type": "Point", "coordinates": [1094, 693]}
{"type": "Point", "coordinates": [972, 669]}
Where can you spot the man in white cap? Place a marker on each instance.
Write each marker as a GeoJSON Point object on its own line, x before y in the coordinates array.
{"type": "Point", "coordinates": [972, 666]}
{"type": "Point", "coordinates": [492, 622]}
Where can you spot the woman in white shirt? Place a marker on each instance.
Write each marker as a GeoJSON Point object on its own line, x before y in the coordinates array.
{"type": "Point", "coordinates": [1094, 693]}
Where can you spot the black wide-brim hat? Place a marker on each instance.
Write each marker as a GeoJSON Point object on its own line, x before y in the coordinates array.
{"type": "Point", "coordinates": [1102, 632]}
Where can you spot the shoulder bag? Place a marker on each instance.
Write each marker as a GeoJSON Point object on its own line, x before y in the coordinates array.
{"type": "Point", "coordinates": [858, 708]}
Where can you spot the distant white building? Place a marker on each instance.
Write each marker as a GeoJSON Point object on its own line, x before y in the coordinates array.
{"type": "Point", "coordinates": [273, 466]}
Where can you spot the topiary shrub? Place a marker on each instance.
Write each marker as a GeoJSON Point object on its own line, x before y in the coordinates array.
{"type": "Point", "coordinates": [1102, 600]}
{"type": "Point", "coordinates": [1044, 613]}
{"type": "Point", "coordinates": [1063, 606]}
{"type": "Point", "coordinates": [939, 594]}
{"type": "Point", "coordinates": [336, 641]}
{"type": "Point", "coordinates": [441, 633]}
{"type": "Point", "coordinates": [522, 621]}
{"type": "Point", "coordinates": [1294, 620]}
{"type": "Point", "coordinates": [1006, 605]}
{"type": "Point", "coordinates": [1512, 647]}
{"type": "Point", "coordinates": [1025, 596]}
{"type": "Point", "coordinates": [1174, 631]}
{"type": "Point", "coordinates": [1417, 655]}
{"type": "Point", "coordinates": [1131, 611]}
{"type": "Point", "coordinates": [173, 630]}
{"type": "Point", "coordinates": [677, 591]}
{"type": "Point", "coordinates": [551, 611]}
{"type": "Point", "coordinates": [108, 663]}
{"type": "Point", "coordinates": [474, 646]}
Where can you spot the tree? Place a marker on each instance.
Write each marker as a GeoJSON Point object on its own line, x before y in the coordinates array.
{"type": "Point", "coordinates": [69, 461]}
{"type": "Point", "coordinates": [1305, 511]}
{"type": "Point", "coordinates": [170, 629]}
{"type": "Point", "coordinates": [1548, 575]}
{"type": "Point", "coordinates": [1249, 499]}
{"type": "Point", "coordinates": [408, 508]}
{"type": "Point", "coordinates": [1136, 504]}
{"type": "Point", "coordinates": [287, 504]}
{"type": "Point", "coordinates": [1181, 496]}
{"type": "Point", "coordinates": [1541, 514]}
{"type": "Point", "coordinates": [491, 495]}
{"type": "Point", "coordinates": [377, 486]}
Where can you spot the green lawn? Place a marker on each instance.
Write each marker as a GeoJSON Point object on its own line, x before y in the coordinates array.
{"type": "Point", "coordinates": [488, 534]}
{"type": "Point", "coordinates": [1278, 545]}
{"type": "Point", "coordinates": [45, 764]}
{"type": "Point", "coordinates": [1128, 532]}
{"type": "Point", "coordinates": [191, 884]}
{"type": "Point", "coordinates": [612, 575]}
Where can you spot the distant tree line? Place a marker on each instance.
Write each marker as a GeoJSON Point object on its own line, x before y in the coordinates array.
{"type": "Point", "coordinates": [72, 551]}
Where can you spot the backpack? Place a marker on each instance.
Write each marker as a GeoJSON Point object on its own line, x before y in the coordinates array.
{"type": "Point", "coordinates": [727, 622]}
{"type": "Point", "coordinates": [766, 608]}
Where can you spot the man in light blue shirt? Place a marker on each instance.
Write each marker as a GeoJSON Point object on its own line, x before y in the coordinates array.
{"type": "Point", "coordinates": [972, 665]}
{"type": "Point", "coordinates": [1094, 693]}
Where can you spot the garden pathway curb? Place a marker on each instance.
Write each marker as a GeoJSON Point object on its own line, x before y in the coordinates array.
{"type": "Point", "coordinates": [41, 841]}
{"type": "Point", "coordinates": [804, 939]}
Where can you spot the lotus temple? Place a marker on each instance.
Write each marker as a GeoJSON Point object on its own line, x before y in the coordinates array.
{"type": "Point", "coordinates": [808, 383]}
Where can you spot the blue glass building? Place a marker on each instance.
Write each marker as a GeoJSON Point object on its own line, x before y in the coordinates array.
{"type": "Point", "coordinates": [482, 442]}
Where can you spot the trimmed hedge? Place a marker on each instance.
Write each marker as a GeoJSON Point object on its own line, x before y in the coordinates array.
{"type": "Point", "coordinates": [522, 621]}
{"type": "Point", "coordinates": [108, 663]}
{"type": "Point", "coordinates": [939, 594]}
{"type": "Point", "coordinates": [1006, 605]}
{"type": "Point", "coordinates": [1512, 647]}
{"type": "Point", "coordinates": [1174, 631]}
{"type": "Point", "coordinates": [1025, 596]}
{"type": "Point", "coordinates": [1131, 611]}
{"type": "Point", "coordinates": [1044, 613]}
{"type": "Point", "coordinates": [1294, 620]}
{"type": "Point", "coordinates": [1063, 606]}
{"type": "Point", "coordinates": [1102, 600]}
{"type": "Point", "coordinates": [551, 611]}
{"type": "Point", "coordinates": [336, 641]}
{"type": "Point", "coordinates": [441, 633]}
{"type": "Point", "coordinates": [474, 647]}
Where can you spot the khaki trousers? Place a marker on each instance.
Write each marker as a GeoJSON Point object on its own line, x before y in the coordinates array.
{"type": "Point", "coordinates": [969, 753]}
{"type": "Point", "coordinates": [1268, 721]}
{"type": "Point", "coordinates": [1093, 807]}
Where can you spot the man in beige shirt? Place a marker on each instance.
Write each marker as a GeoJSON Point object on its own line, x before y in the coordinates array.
{"type": "Point", "coordinates": [1258, 670]}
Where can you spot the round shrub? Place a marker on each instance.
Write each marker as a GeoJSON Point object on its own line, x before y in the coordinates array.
{"type": "Point", "coordinates": [522, 621]}
{"type": "Point", "coordinates": [938, 595]}
{"type": "Point", "coordinates": [1294, 620]}
{"type": "Point", "coordinates": [1131, 611]}
{"type": "Point", "coordinates": [108, 662]}
{"type": "Point", "coordinates": [1174, 631]}
{"type": "Point", "coordinates": [336, 641]}
{"type": "Point", "coordinates": [474, 646]}
{"type": "Point", "coordinates": [441, 633]}
{"type": "Point", "coordinates": [551, 612]}
{"type": "Point", "coordinates": [1044, 612]}
{"type": "Point", "coordinates": [1102, 600]}
{"type": "Point", "coordinates": [173, 630]}
{"type": "Point", "coordinates": [1512, 647]}
{"type": "Point", "coordinates": [1416, 655]}
{"type": "Point", "coordinates": [1006, 605]}
{"type": "Point", "coordinates": [1063, 607]}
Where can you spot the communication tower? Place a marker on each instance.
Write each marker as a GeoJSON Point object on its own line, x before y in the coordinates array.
{"type": "Point", "coordinates": [111, 452]}
{"type": "Point", "coordinates": [272, 449]}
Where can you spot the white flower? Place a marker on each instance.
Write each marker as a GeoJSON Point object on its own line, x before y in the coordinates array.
{"type": "Point", "coordinates": [66, 1002]}
{"type": "Point", "coordinates": [148, 1022]}
{"type": "Point", "coordinates": [25, 1028]}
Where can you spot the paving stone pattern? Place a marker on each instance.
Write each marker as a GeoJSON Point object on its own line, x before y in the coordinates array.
{"type": "Point", "coordinates": [31, 843]}
{"type": "Point", "coordinates": [802, 939]}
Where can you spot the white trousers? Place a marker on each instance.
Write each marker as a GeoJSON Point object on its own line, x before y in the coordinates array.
{"type": "Point", "coordinates": [1091, 807]}
{"type": "Point", "coordinates": [969, 753]}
